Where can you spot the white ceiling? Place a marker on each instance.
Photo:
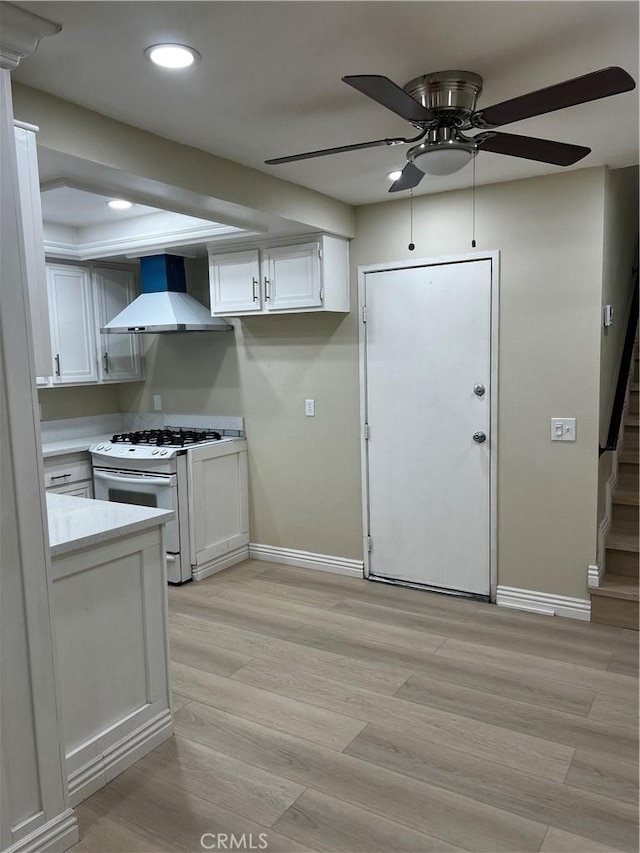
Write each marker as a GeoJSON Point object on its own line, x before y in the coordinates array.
{"type": "Point", "coordinates": [78, 208]}
{"type": "Point", "coordinates": [269, 81]}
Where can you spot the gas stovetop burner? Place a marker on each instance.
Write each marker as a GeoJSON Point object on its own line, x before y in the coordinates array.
{"type": "Point", "coordinates": [167, 437]}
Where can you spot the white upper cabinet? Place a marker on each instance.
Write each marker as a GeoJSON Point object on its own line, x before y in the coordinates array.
{"type": "Point", "coordinates": [292, 277]}
{"type": "Point", "coordinates": [298, 277]}
{"type": "Point", "coordinates": [82, 299]}
{"type": "Point", "coordinates": [31, 213]}
{"type": "Point", "coordinates": [72, 325]}
{"type": "Point", "coordinates": [235, 282]}
{"type": "Point", "coordinates": [119, 356]}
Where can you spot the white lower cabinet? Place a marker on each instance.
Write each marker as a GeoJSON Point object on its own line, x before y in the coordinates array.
{"type": "Point", "coordinates": [70, 474]}
{"type": "Point", "coordinates": [108, 605]}
{"type": "Point", "coordinates": [305, 276]}
{"type": "Point", "coordinates": [219, 506]}
{"type": "Point", "coordinates": [82, 299]}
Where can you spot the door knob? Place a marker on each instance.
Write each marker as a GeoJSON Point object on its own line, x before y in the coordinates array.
{"type": "Point", "coordinates": [479, 437]}
{"type": "Point", "coordinates": [479, 390]}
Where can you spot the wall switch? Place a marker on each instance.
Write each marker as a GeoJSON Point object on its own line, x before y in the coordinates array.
{"type": "Point", "coordinates": [157, 403]}
{"type": "Point", "coordinates": [310, 408]}
{"type": "Point", "coordinates": [607, 315]}
{"type": "Point", "coordinates": [563, 429]}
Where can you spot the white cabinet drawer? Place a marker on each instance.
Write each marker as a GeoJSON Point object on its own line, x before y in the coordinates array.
{"type": "Point", "coordinates": [83, 489]}
{"type": "Point", "coordinates": [62, 471]}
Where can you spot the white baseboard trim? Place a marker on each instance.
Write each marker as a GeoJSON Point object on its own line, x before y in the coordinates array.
{"type": "Point", "coordinates": [114, 760]}
{"type": "Point", "coordinates": [55, 836]}
{"type": "Point", "coordinates": [544, 603]}
{"type": "Point", "coordinates": [238, 555]}
{"type": "Point", "coordinates": [307, 560]}
{"type": "Point", "coordinates": [595, 576]}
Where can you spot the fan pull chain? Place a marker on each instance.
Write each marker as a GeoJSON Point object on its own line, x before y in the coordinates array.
{"type": "Point", "coordinates": [473, 205]}
{"type": "Point", "coordinates": [412, 245]}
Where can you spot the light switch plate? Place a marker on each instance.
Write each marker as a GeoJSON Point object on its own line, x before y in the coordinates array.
{"type": "Point", "coordinates": [310, 408]}
{"type": "Point", "coordinates": [563, 429]}
{"type": "Point", "coordinates": [157, 403]}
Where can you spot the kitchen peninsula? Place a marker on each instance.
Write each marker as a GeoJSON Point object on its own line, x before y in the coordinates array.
{"type": "Point", "coordinates": [109, 620]}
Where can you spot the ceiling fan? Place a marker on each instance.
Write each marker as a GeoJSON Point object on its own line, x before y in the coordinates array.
{"type": "Point", "coordinates": [442, 106]}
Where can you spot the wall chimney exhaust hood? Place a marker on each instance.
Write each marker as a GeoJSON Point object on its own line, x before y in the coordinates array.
{"type": "Point", "coordinates": [164, 304]}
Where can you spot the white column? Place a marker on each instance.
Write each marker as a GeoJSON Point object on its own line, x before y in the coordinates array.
{"type": "Point", "coordinates": [34, 813]}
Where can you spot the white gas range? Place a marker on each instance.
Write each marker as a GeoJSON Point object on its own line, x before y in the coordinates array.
{"type": "Point", "coordinates": [163, 468]}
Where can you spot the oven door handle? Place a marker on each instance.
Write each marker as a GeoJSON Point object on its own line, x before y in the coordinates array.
{"type": "Point", "coordinates": [137, 481]}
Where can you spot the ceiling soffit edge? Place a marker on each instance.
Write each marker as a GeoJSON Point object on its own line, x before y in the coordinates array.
{"type": "Point", "coordinates": [77, 131]}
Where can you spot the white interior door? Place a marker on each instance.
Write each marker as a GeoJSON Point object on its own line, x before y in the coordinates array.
{"type": "Point", "coordinates": [427, 345]}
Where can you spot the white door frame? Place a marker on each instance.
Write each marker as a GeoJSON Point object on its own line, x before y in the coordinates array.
{"type": "Point", "coordinates": [494, 257]}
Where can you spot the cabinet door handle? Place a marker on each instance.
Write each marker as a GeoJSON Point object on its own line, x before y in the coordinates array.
{"type": "Point", "coordinates": [57, 360]}
{"type": "Point", "coordinates": [267, 288]}
{"type": "Point", "coordinates": [60, 476]}
{"type": "Point", "coordinates": [105, 357]}
{"type": "Point", "coordinates": [255, 283]}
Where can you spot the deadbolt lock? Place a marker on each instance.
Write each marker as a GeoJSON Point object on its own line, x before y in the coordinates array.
{"type": "Point", "coordinates": [479, 437]}
{"type": "Point", "coordinates": [479, 390]}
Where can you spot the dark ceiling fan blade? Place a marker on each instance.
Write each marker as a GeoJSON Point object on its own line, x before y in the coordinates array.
{"type": "Point", "coordinates": [391, 96]}
{"type": "Point", "coordinates": [410, 178]}
{"type": "Point", "coordinates": [580, 90]}
{"type": "Point", "coordinates": [323, 152]}
{"type": "Point", "coordinates": [530, 148]}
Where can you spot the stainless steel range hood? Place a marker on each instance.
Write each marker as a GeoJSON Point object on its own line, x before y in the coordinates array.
{"type": "Point", "coordinates": [164, 305]}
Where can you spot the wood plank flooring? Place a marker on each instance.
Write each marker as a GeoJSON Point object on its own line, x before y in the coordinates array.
{"type": "Point", "coordinates": [336, 714]}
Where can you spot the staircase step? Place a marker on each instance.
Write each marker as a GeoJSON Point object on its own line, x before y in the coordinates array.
{"type": "Point", "coordinates": [619, 612]}
{"type": "Point", "coordinates": [624, 518]}
{"type": "Point", "coordinates": [628, 475]}
{"type": "Point", "coordinates": [622, 542]}
{"type": "Point", "coordinates": [622, 563]}
{"type": "Point", "coordinates": [618, 586]}
{"type": "Point", "coordinates": [630, 456]}
{"type": "Point", "coordinates": [626, 496]}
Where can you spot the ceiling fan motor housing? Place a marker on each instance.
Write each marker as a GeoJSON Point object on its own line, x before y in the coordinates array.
{"type": "Point", "coordinates": [450, 93]}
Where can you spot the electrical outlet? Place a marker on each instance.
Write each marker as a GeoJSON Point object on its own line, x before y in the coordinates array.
{"type": "Point", "coordinates": [157, 403]}
{"type": "Point", "coordinates": [310, 408]}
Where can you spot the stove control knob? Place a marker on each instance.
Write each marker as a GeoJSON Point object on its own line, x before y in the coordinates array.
{"type": "Point", "coordinates": [100, 447]}
{"type": "Point", "coordinates": [155, 452]}
{"type": "Point", "coordinates": [107, 448]}
{"type": "Point", "coordinates": [163, 452]}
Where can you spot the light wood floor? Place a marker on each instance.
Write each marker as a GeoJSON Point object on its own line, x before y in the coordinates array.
{"type": "Point", "coordinates": [336, 714]}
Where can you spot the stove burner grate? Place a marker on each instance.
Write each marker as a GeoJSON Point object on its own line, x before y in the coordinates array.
{"type": "Point", "coordinates": [168, 437]}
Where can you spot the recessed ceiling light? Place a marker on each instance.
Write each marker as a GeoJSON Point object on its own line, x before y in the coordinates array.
{"type": "Point", "coordinates": [394, 176]}
{"type": "Point", "coordinates": [172, 55]}
{"type": "Point", "coordinates": [119, 204]}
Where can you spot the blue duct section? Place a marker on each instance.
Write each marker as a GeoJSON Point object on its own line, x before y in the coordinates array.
{"type": "Point", "coordinates": [162, 273]}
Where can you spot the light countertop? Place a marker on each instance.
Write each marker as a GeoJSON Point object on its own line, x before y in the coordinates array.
{"type": "Point", "coordinates": [71, 445]}
{"type": "Point", "coordinates": [76, 523]}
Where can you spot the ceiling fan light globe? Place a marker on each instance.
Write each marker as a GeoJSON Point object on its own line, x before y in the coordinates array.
{"type": "Point", "coordinates": [443, 160]}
